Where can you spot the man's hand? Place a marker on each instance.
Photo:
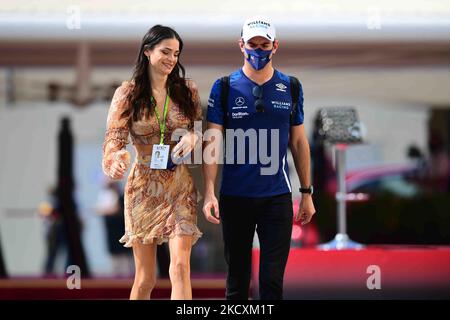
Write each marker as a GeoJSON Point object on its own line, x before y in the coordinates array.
{"type": "Point", "coordinates": [209, 204]}
{"type": "Point", "coordinates": [306, 209]}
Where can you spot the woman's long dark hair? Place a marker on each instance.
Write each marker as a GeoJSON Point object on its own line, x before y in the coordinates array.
{"type": "Point", "coordinates": [140, 95]}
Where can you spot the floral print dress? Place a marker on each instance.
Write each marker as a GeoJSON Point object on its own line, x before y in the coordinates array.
{"type": "Point", "coordinates": [159, 204]}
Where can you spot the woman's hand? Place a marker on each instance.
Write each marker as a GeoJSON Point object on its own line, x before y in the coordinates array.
{"type": "Point", "coordinates": [185, 146]}
{"type": "Point", "coordinates": [118, 169]}
{"type": "Point", "coordinates": [120, 164]}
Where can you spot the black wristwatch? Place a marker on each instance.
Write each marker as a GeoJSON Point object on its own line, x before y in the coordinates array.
{"type": "Point", "coordinates": [309, 190]}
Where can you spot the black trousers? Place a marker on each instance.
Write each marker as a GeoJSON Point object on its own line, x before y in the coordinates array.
{"type": "Point", "coordinates": [272, 219]}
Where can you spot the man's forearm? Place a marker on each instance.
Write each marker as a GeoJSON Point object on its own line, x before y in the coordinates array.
{"type": "Point", "coordinates": [302, 160]}
{"type": "Point", "coordinates": [210, 165]}
{"type": "Point", "coordinates": [211, 155]}
{"type": "Point", "coordinates": [209, 177]}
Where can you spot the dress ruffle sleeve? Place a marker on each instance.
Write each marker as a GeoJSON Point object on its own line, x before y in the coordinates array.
{"type": "Point", "coordinates": [117, 127]}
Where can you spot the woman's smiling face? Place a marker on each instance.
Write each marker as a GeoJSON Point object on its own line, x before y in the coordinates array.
{"type": "Point", "coordinates": [164, 56]}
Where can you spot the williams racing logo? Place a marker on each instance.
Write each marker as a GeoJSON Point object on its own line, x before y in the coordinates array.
{"type": "Point", "coordinates": [281, 105]}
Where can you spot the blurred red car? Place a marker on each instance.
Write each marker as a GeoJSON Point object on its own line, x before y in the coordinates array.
{"type": "Point", "coordinates": [398, 179]}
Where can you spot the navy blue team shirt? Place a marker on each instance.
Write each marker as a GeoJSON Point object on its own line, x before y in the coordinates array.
{"type": "Point", "coordinates": [245, 179]}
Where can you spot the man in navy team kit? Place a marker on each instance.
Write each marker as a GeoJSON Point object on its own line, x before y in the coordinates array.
{"type": "Point", "coordinates": [255, 105]}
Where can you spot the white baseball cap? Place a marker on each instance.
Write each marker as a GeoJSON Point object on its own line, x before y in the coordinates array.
{"type": "Point", "coordinates": [258, 26]}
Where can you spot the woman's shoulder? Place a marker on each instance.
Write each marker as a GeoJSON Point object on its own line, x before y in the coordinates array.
{"type": "Point", "coordinates": [124, 89]}
{"type": "Point", "coordinates": [121, 96]}
{"type": "Point", "coordinates": [127, 84]}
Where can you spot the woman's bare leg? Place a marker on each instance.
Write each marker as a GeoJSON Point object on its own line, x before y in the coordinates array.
{"type": "Point", "coordinates": [180, 268]}
{"type": "Point", "coordinates": [145, 271]}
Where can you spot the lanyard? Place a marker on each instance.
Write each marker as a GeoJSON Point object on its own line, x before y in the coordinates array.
{"type": "Point", "coordinates": [162, 125]}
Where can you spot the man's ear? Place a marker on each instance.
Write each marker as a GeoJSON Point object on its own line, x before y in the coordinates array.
{"type": "Point", "coordinates": [275, 46]}
{"type": "Point", "coordinates": [241, 45]}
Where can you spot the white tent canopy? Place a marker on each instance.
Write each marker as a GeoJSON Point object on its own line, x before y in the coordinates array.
{"type": "Point", "coordinates": [210, 20]}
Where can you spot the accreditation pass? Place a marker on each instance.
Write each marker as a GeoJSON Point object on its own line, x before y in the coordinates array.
{"type": "Point", "coordinates": [160, 156]}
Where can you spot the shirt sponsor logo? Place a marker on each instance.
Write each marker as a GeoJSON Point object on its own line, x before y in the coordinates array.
{"type": "Point", "coordinates": [239, 115]}
{"type": "Point", "coordinates": [239, 101]}
{"type": "Point", "coordinates": [211, 102]}
{"type": "Point", "coordinates": [281, 87]}
{"type": "Point", "coordinates": [281, 105]}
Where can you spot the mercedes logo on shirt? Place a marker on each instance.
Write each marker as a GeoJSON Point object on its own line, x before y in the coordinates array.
{"type": "Point", "coordinates": [239, 101]}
